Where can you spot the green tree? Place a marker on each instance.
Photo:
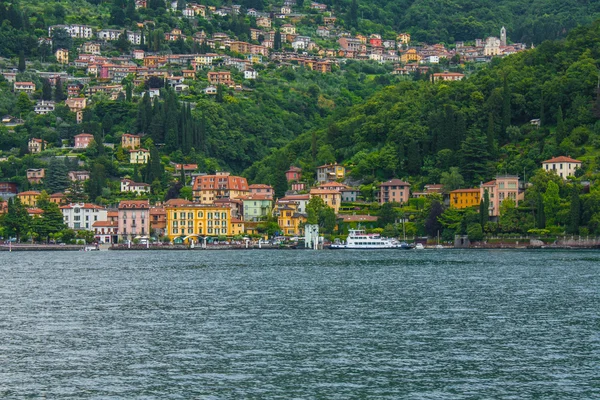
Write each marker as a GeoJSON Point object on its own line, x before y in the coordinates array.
{"type": "Point", "coordinates": [574, 211]}
{"type": "Point", "coordinates": [475, 232]}
{"type": "Point", "coordinates": [551, 201]}
{"type": "Point", "coordinates": [484, 208]}
{"type": "Point", "coordinates": [320, 213]}
{"type": "Point", "coordinates": [561, 129]}
{"type": "Point", "coordinates": [24, 105]}
{"type": "Point", "coordinates": [97, 181]}
{"type": "Point", "coordinates": [22, 65]}
{"type": "Point", "coordinates": [56, 179]}
{"type": "Point", "coordinates": [16, 221]}
{"type": "Point", "coordinates": [387, 214]}
{"type": "Point", "coordinates": [452, 180]}
{"type": "Point", "coordinates": [46, 89]}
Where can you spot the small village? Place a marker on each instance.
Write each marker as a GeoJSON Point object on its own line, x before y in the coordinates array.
{"type": "Point", "coordinates": [222, 207]}
{"type": "Point", "coordinates": [91, 67]}
{"type": "Point", "coordinates": [110, 65]}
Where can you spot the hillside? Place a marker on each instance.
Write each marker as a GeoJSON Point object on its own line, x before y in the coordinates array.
{"type": "Point", "coordinates": [417, 130]}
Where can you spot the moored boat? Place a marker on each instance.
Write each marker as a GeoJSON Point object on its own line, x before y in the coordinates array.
{"type": "Point", "coordinates": [358, 239]}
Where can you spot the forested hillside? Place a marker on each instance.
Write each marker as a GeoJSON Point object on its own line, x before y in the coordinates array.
{"type": "Point", "coordinates": [416, 130]}
{"type": "Point", "coordinates": [443, 20]}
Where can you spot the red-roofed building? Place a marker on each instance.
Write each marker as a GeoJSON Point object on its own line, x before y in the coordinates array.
{"type": "Point", "coordinates": [83, 140]}
{"type": "Point", "coordinates": [106, 231]}
{"type": "Point", "coordinates": [394, 190]}
{"type": "Point", "coordinates": [261, 189]}
{"type": "Point", "coordinates": [134, 219]}
{"type": "Point", "coordinates": [222, 185]}
{"type": "Point", "coordinates": [127, 185]}
{"type": "Point", "coordinates": [562, 166]}
{"type": "Point", "coordinates": [333, 198]}
{"type": "Point", "coordinates": [293, 174]}
{"type": "Point", "coordinates": [501, 188]}
{"type": "Point", "coordinates": [81, 216]}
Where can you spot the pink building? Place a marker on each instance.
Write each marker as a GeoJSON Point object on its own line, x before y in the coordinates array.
{"type": "Point", "coordinates": [83, 140]}
{"type": "Point", "coordinates": [293, 174]}
{"type": "Point", "coordinates": [261, 189]}
{"type": "Point", "coordinates": [134, 219]}
{"type": "Point", "coordinates": [394, 190]}
{"type": "Point", "coordinates": [503, 187]}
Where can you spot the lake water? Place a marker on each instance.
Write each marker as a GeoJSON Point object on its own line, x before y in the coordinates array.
{"type": "Point", "coordinates": [446, 324]}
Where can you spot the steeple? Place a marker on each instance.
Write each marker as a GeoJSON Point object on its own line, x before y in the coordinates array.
{"type": "Point", "coordinates": [503, 36]}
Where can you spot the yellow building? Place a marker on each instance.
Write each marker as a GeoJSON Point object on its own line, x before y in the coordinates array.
{"type": "Point", "coordinates": [332, 198]}
{"type": "Point", "coordinates": [464, 198]}
{"type": "Point", "coordinates": [62, 56]}
{"type": "Point", "coordinates": [409, 56]}
{"type": "Point", "coordinates": [403, 38]}
{"type": "Point", "coordinates": [139, 156]}
{"type": "Point", "coordinates": [237, 227]}
{"type": "Point", "coordinates": [289, 219]}
{"type": "Point", "coordinates": [185, 218]}
{"type": "Point", "coordinates": [30, 198]}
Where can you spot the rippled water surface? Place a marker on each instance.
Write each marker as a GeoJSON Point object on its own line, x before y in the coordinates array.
{"type": "Point", "coordinates": [300, 324]}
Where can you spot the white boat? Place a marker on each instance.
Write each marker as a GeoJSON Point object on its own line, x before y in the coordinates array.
{"type": "Point", "coordinates": [419, 246]}
{"type": "Point", "coordinates": [358, 239]}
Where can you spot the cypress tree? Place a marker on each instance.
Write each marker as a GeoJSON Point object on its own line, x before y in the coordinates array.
{"type": "Point", "coordinates": [561, 130]}
{"type": "Point", "coordinates": [574, 211]}
{"type": "Point", "coordinates": [22, 66]}
{"type": "Point", "coordinates": [491, 135]}
{"type": "Point", "coordinates": [46, 89]}
{"type": "Point", "coordinates": [484, 209]}
{"type": "Point", "coordinates": [506, 117]}
{"type": "Point", "coordinates": [540, 220]}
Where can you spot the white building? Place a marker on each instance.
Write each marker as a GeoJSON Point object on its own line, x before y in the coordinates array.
{"type": "Point", "coordinates": [250, 74]}
{"type": "Point", "coordinates": [79, 216]}
{"type": "Point", "coordinates": [562, 166]}
{"type": "Point", "coordinates": [127, 185]}
{"type": "Point", "coordinates": [44, 107]}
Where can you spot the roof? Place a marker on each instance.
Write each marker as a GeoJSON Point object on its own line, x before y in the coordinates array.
{"type": "Point", "coordinates": [295, 197]}
{"type": "Point", "coordinates": [561, 159]}
{"type": "Point", "coordinates": [256, 196]}
{"type": "Point", "coordinates": [323, 191]}
{"type": "Point", "coordinates": [134, 204]}
{"type": "Point", "coordinates": [395, 182]}
{"type": "Point", "coordinates": [57, 195]}
{"type": "Point", "coordinates": [259, 186]}
{"type": "Point", "coordinates": [294, 169]}
{"type": "Point", "coordinates": [490, 183]}
{"type": "Point", "coordinates": [29, 193]}
{"type": "Point", "coordinates": [358, 218]}
{"type": "Point", "coordinates": [84, 135]}
{"type": "Point", "coordinates": [333, 184]}
{"type": "Point", "coordinates": [36, 211]}
{"type": "Point", "coordinates": [465, 191]}
{"type": "Point", "coordinates": [82, 205]}
{"type": "Point", "coordinates": [177, 202]}
{"type": "Point", "coordinates": [144, 150]}
{"type": "Point", "coordinates": [108, 224]}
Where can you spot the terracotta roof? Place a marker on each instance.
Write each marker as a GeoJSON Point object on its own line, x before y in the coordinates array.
{"type": "Point", "coordinates": [84, 135]}
{"type": "Point", "coordinates": [35, 211]}
{"type": "Point", "coordinates": [157, 210]}
{"type": "Point", "coordinates": [323, 191]}
{"type": "Point", "coordinates": [333, 184]}
{"type": "Point", "coordinates": [490, 183]}
{"type": "Point", "coordinates": [465, 191]}
{"type": "Point", "coordinates": [134, 204]}
{"type": "Point", "coordinates": [29, 193]}
{"type": "Point", "coordinates": [358, 218]}
{"type": "Point", "coordinates": [177, 202]}
{"type": "Point", "coordinates": [294, 169]}
{"type": "Point", "coordinates": [144, 150]}
{"type": "Point", "coordinates": [561, 159]}
{"type": "Point", "coordinates": [259, 186]}
{"type": "Point", "coordinates": [395, 182]}
{"type": "Point", "coordinates": [295, 197]}
{"type": "Point", "coordinates": [57, 195]}
{"type": "Point", "coordinates": [85, 205]}
{"type": "Point", "coordinates": [256, 196]}
{"type": "Point", "coordinates": [108, 224]}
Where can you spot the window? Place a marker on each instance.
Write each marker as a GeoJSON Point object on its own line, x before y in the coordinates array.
{"type": "Point", "coordinates": [190, 215]}
{"type": "Point", "coordinates": [200, 214]}
{"type": "Point", "coordinates": [209, 215]}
